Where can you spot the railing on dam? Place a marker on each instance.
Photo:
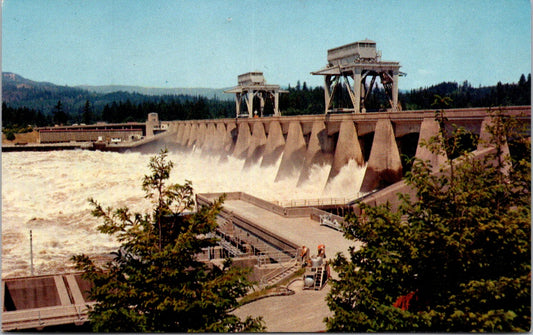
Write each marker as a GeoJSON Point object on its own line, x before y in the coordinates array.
{"type": "Point", "coordinates": [318, 202]}
{"type": "Point", "coordinates": [274, 206]}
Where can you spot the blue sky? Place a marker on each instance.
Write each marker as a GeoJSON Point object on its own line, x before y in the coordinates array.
{"type": "Point", "coordinates": [203, 43]}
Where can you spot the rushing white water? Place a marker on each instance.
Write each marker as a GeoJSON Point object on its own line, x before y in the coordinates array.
{"type": "Point", "coordinates": [47, 192]}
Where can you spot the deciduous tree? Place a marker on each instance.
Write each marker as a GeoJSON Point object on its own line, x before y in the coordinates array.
{"type": "Point", "coordinates": [457, 258]}
{"type": "Point", "coordinates": [155, 281]}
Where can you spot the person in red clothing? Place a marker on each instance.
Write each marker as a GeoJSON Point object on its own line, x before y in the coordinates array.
{"type": "Point", "coordinates": [404, 301]}
{"type": "Point", "coordinates": [304, 255]}
{"type": "Point", "coordinates": [322, 251]}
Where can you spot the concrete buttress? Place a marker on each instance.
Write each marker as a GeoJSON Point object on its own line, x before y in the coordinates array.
{"type": "Point", "coordinates": [243, 141]}
{"type": "Point", "coordinates": [201, 135]}
{"type": "Point", "coordinates": [183, 136]}
{"type": "Point", "coordinates": [319, 150]}
{"type": "Point", "coordinates": [274, 145]}
{"type": "Point", "coordinates": [257, 145]}
{"type": "Point", "coordinates": [428, 128]}
{"type": "Point", "coordinates": [186, 135]}
{"type": "Point", "coordinates": [231, 137]}
{"type": "Point", "coordinates": [220, 134]}
{"type": "Point", "coordinates": [179, 133]}
{"type": "Point", "coordinates": [485, 141]}
{"type": "Point", "coordinates": [192, 137]}
{"type": "Point", "coordinates": [294, 153]}
{"type": "Point", "coordinates": [347, 148]}
{"type": "Point", "coordinates": [210, 138]}
{"type": "Point", "coordinates": [229, 142]}
{"type": "Point", "coordinates": [384, 165]}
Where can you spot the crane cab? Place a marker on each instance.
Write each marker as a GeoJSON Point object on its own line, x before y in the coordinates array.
{"type": "Point", "coordinates": [361, 51]}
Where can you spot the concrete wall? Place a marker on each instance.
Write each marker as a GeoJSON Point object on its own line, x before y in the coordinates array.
{"type": "Point", "coordinates": [44, 301]}
{"type": "Point", "coordinates": [88, 136]}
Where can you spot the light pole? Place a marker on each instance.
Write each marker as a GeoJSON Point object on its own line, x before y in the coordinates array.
{"type": "Point", "coordinates": [31, 253]}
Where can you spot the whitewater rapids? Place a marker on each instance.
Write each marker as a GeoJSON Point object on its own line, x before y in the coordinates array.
{"type": "Point", "coordinates": [47, 192]}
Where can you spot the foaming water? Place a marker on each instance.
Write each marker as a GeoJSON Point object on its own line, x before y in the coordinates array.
{"type": "Point", "coordinates": [47, 192]}
{"type": "Point", "coordinates": [348, 181]}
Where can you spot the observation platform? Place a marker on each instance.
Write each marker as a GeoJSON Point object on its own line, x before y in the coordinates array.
{"type": "Point", "coordinates": [301, 230]}
{"type": "Point", "coordinates": [287, 229]}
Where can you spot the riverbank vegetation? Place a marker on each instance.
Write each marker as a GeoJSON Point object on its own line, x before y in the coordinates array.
{"type": "Point", "coordinates": [457, 258]}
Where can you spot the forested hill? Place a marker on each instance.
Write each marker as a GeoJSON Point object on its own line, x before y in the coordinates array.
{"type": "Point", "coordinates": [464, 95]}
{"type": "Point", "coordinates": [27, 102]}
{"type": "Point", "coordinates": [209, 93]}
{"type": "Point", "coordinates": [18, 91]}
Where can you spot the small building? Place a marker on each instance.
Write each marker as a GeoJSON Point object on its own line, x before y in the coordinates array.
{"type": "Point", "coordinates": [103, 131]}
{"type": "Point", "coordinates": [92, 133]}
{"type": "Point", "coordinates": [251, 85]}
{"type": "Point", "coordinates": [354, 52]}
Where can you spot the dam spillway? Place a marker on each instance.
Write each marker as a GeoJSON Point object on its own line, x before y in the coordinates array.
{"type": "Point", "coordinates": [375, 140]}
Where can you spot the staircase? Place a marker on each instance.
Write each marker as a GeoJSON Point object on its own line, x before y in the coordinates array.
{"type": "Point", "coordinates": [281, 272]}
{"type": "Point", "coordinates": [230, 248]}
{"type": "Point", "coordinates": [261, 247]}
{"type": "Point", "coordinates": [319, 276]}
{"type": "Point", "coordinates": [238, 242]}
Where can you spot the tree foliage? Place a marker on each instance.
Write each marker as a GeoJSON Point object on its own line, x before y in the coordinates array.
{"type": "Point", "coordinates": [457, 258]}
{"type": "Point", "coordinates": [155, 281]}
{"type": "Point", "coordinates": [59, 115]}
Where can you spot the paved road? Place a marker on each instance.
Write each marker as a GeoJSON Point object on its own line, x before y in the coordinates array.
{"type": "Point", "coordinates": [303, 311]}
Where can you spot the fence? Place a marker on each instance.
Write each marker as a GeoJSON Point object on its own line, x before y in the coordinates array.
{"type": "Point", "coordinates": [317, 202]}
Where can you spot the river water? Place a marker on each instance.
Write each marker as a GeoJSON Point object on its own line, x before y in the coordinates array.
{"type": "Point", "coordinates": [47, 192]}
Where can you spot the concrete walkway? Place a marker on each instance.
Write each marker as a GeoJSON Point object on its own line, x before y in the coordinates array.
{"type": "Point", "coordinates": [306, 309]}
{"type": "Point", "coordinates": [303, 311]}
{"type": "Point", "coordinates": [300, 230]}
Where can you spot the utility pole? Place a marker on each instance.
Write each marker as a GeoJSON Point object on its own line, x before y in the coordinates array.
{"type": "Point", "coordinates": [31, 253]}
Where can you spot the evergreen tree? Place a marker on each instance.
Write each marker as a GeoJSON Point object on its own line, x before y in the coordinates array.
{"type": "Point", "coordinates": [455, 259]}
{"type": "Point", "coordinates": [155, 281]}
{"type": "Point", "coordinates": [87, 114]}
{"type": "Point", "coordinates": [59, 116]}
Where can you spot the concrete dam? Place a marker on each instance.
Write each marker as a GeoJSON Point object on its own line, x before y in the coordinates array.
{"type": "Point", "coordinates": [377, 140]}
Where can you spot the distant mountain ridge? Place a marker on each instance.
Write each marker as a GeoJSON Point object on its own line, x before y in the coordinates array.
{"type": "Point", "coordinates": [11, 79]}
{"type": "Point", "coordinates": [210, 93]}
{"type": "Point", "coordinates": [18, 91]}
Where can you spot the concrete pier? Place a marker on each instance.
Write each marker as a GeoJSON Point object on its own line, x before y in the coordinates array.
{"type": "Point", "coordinates": [347, 148]}
{"type": "Point", "coordinates": [274, 145]}
{"type": "Point", "coordinates": [293, 157]}
{"type": "Point", "coordinates": [384, 165]}
{"type": "Point", "coordinates": [257, 145]}
{"type": "Point", "coordinates": [243, 141]}
{"type": "Point", "coordinates": [318, 151]}
{"type": "Point", "coordinates": [429, 128]}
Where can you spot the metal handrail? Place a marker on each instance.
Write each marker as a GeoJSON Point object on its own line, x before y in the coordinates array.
{"type": "Point", "coordinates": [317, 201]}
{"type": "Point", "coordinates": [272, 274]}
